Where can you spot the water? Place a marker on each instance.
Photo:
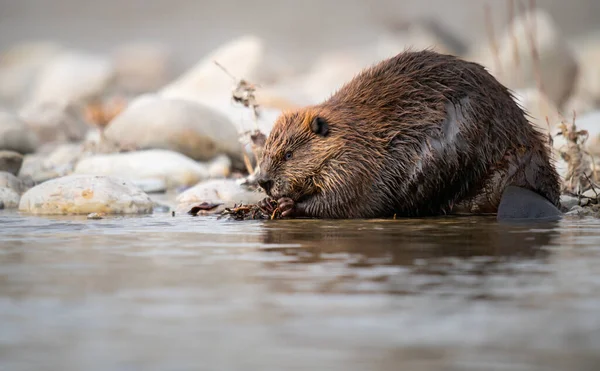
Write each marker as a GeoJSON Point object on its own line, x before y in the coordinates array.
{"type": "Point", "coordinates": [183, 293]}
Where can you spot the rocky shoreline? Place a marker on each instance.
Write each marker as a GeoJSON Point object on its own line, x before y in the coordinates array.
{"type": "Point", "coordinates": [82, 133]}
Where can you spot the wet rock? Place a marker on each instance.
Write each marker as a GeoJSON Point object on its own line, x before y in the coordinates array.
{"type": "Point", "coordinates": [558, 63]}
{"type": "Point", "coordinates": [73, 77]}
{"type": "Point", "coordinates": [222, 192]}
{"type": "Point", "coordinates": [9, 199]}
{"type": "Point", "coordinates": [141, 67]}
{"type": "Point", "coordinates": [568, 202]}
{"type": "Point", "coordinates": [580, 212]}
{"type": "Point", "coordinates": [54, 122]}
{"type": "Point", "coordinates": [15, 135]}
{"type": "Point", "coordinates": [84, 194]}
{"type": "Point", "coordinates": [96, 216]}
{"type": "Point", "coordinates": [173, 168]}
{"type": "Point", "coordinates": [10, 161]}
{"type": "Point", "coordinates": [190, 128]}
{"type": "Point", "coordinates": [11, 189]}
{"type": "Point", "coordinates": [20, 65]}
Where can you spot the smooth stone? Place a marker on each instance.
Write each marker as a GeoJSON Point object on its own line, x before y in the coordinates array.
{"type": "Point", "coordinates": [219, 167]}
{"type": "Point", "coordinates": [54, 122]}
{"type": "Point", "coordinates": [568, 202]}
{"type": "Point", "coordinates": [15, 135]}
{"type": "Point", "coordinates": [73, 77]}
{"type": "Point", "coordinates": [190, 128]}
{"type": "Point", "coordinates": [225, 192]}
{"type": "Point", "coordinates": [59, 162]}
{"type": "Point", "coordinates": [10, 161]}
{"type": "Point", "coordinates": [85, 194]}
{"type": "Point", "coordinates": [173, 168]}
{"type": "Point", "coordinates": [9, 181]}
{"type": "Point", "coordinates": [151, 185]}
{"type": "Point", "coordinates": [591, 194]}
{"type": "Point", "coordinates": [243, 58]}
{"type": "Point", "coordinates": [522, 204]}
{"type": "Point", "coordinates": [9, 199]}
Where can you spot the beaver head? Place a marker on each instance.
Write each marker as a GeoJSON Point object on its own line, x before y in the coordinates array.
{"type": "Point", "coordinates": [295, 152]}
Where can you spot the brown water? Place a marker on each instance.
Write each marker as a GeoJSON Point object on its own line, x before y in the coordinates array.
{"type": "Point", "coordinates": [183, 293]}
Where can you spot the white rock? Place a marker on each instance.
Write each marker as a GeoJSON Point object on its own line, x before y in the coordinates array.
{"type": "Point", "coordinates": [15, 135]}
{"type": "Point", "coordinates": [187, 127]}
{"type": "Point", "coordinates": [591, 193]}
{"type": "Point", "coordinates": [219, 167]}
{"type": "Point", "coordinates": [226, 192]}
{"type": "Point", "coordinates": [244, 58]}
{"type": "Point", "coordinates": [568, 202]}
{"type": "Point", "coordinates": [7, 180]}
{"type": "Point", "coordinates": [54, 122]}
{"type": "Point", "coordinates": [59, 162]}
{"type": "Point", "coordinates": [142, 67]}
{"type": "Point", "coordinates": [19, 67]}
{"type": "Point", "coordinates": [82, 194]}
{"type": "Point", "coordinates": [558, 64]}
{"type": "Point", "coordinates": [173, 168]}
{"type": "Point", "coordinates": [10, 161]}
{"type": "Point", "coordinates": [9, 199]}
{"type": "Point", "coordinates": [73, 77]}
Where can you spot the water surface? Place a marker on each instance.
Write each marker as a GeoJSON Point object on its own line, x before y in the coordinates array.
{"type": "Point", "coordinates": [183, 293]}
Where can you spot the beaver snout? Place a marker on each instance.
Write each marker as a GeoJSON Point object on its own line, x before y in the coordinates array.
{"type": "Point", "coordinates": [265, 183]}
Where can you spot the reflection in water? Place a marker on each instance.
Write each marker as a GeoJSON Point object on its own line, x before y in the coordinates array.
{"type": "Point", "coordinates": [199, 294]}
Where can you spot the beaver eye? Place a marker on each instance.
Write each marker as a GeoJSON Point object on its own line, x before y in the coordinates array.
{"type": "Point", "coordinates": [288, 155]}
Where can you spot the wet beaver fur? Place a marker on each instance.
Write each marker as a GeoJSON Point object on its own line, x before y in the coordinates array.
{"type": "Point", "coordinates": [419, 134]}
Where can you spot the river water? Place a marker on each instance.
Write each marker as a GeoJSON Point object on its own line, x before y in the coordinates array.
{"type": "Point", "coordinates": [183, 293]}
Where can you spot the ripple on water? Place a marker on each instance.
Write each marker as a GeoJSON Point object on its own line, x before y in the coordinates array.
{"type": "Point", "coordinates": [162, 292]}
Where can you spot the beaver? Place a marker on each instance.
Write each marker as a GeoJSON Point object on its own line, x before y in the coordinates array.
{"type": "Point", "coordinates": [418, 134]}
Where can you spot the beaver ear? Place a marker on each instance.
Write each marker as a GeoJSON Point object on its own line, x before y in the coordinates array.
{"type": "Point", "coordinates": [319, 126]}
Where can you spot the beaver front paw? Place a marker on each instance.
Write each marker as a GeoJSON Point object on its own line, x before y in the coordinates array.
{"type": "Point", "coordinates": [267, 205]}
{"type": "Point", "coordinates": [287, 206]}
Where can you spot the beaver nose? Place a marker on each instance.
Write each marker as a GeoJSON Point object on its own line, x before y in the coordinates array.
{"type": "Point", "coordinates": [265, 183]}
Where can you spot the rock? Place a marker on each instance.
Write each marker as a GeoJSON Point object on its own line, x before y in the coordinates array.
{"type": "Point", "coordinates": [219, 167]}
{"type": "Point", "coordinates": [244, 58]}
{"type": "Point", "coordinates": [54, 122]}
{"type": "Point", "coordinates": [173, 168]}
{"type": "Point", "coordinates": [187, 127]}
{"type": "Point", "coordinates": [15, 135]}
{"type": "Point", "coordinates": [10, 161]}
{"type": "Point", "coordinates": [591, 194]}
{"type": "Point", "coordinates": [7, 180]}
{"type": "Point", "coordinates": [225, 192]}
{"type": "Point", "coordinates": [9, 199]}
{"type": "Point", "coordinates": [141, 67]}
{"type": "Point", "coordinates": [11, 189]}
{"type": "Point", "coordinates": [538, 108]}
{"type": "Point", "coordinates": [57, 163]}
{"type": "Point", "coordinates": [20, 66]}
{"type": "Point", "coordinates": [558, 64]}
{"type": "Point", "coordinates": [96, 216]}
{"type": "Point", "coordinates": [85, 194]}
{"type": "Point", "coordinates": [73, 77]}
{"type": "Point", "coordinates": [568, 202]}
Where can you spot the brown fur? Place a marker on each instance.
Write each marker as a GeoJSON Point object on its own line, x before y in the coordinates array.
{"type": "Point", "coordinates": [418, 134]}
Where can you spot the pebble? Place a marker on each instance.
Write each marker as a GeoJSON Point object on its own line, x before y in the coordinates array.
{"type": "Point", "coordinates": [9, 199]}
{"type": "Point", "coordinates": [225, 192]}
{"type": "Point", "coordinates": [59, 162]}
{"type": "Point", "coordinates": [173, 168]}
{"type": "Point", "coordinates": [96, 216]}
{"type": "Point", "coordinates": [11, 189]}
{"type": "Point", "coordinates": [190, 128]}
{"type": "Point", "coordinates": [73, 77]}
{"type": "Point", "coordinates": [10, 161]}
{"type": "Point", "coordinates": [85, 194]}
{"type": "Point", "coordinates": [15, 135]}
